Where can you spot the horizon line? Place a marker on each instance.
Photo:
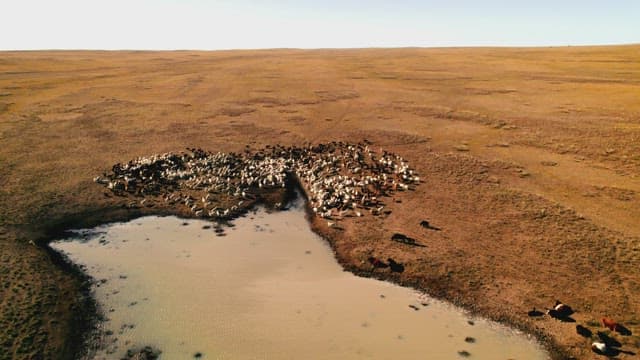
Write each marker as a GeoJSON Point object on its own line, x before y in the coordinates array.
{"type": "Point", "coordinates": [324, 48]}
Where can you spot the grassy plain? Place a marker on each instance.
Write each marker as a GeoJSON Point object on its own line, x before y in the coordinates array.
{"type": "Point", "coordinates": [530, 160]}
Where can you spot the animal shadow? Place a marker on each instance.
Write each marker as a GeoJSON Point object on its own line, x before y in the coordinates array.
{"type": "Point", "coordinates": [560, 316]}
{"type": "Point", "coordinates": [535, 313]}
{"type": "Point", "coordinates": [622, 330]}
{"type": "Point", "coordinates": [404, 239]}
{"type": "Point", "coordinates": [583, 331]}
{"type": "Point", "coordinates": [617, 352]}
{"type": "Point", "coordinates": [611, 342]}
{"type": "Point", "coordinates": [567, 319]}
{"type": "Point", "coordinates": [425, 224]}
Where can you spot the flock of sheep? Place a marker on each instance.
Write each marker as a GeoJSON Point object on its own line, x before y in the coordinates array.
{"type": "Point", "coordinates": [339, 179]}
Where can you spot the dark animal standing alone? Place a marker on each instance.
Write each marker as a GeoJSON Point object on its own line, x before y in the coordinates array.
{"type": "Point", "coordinates": [395, 266]}
{"type": "Point", "coordinates": [562, 310]}
{"type": "Point", "coordinates": [554, 314]}
{"type": "Point", "coordinates": [377, 263]}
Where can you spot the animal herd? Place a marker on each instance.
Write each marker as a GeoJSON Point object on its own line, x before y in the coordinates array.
{"type": "Point", "coordinates": [340, 179]}
{"type": "Point", "coordinates": [605, 345]}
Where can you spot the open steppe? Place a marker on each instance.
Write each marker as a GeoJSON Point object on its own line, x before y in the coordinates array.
{"type": "Point", "coordinates": [529, 160]}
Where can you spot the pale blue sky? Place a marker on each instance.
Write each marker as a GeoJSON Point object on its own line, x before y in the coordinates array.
{"type": "Point", "coordinates": [243, 24]}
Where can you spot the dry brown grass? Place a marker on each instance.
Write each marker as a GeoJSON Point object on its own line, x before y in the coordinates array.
{"type": "Point", "coordinates": [482, 126]}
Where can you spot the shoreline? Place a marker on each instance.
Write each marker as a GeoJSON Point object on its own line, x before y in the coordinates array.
{"type": "Point", "coordinates": [84, 333]}
{"type": "Point", "coordinates": [554, 350]}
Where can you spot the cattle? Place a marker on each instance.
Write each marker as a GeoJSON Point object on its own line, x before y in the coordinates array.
{"type": "Point", "coordinates": [562, 309]}
{"type": "Point", "coordinates": [610, 324]}
{"type": "Point", "coordinates": [561, 312]}
{"type": "Point", "coordinates": [377, 263]}
{"type": "Point", "coordinates": [599, 348]}
{"type": "Point", "coordinates": [395, 266]}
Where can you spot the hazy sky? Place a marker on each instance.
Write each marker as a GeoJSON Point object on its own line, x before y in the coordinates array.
{"type": "Point", "coordinates": [241, 24]}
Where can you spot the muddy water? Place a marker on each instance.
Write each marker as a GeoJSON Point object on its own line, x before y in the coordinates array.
{"type": "Point", "coordinates": [269, 289]}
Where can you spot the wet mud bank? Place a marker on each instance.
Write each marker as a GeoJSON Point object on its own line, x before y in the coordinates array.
{"type": "Point", "coordinates": [440, 289]}
{"type": "Point", "coordinates": [83, 310]}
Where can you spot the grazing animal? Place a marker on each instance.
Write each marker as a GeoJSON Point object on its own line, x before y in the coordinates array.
{"type": "Point", "coordinates": [561, 315]}
{"type": "Point", "coordinates": [377, 263]}
{"type": "Point", "coordinates": [554, 313]}
{"type": "Point", "coordinates": [562, 309]}
{"type": "Point", "coordinates": [583, 331]}
{"type": "Point", "coordinates": [599, 347]}
{"type": "Point", "coordinates": [611, 342]}
{"type": "Point", "coordinates": [395, 266]}
{"type": "Point", "coordinates": [610, 323]}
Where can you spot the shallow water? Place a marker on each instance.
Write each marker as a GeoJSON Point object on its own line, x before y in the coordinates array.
{"type": "Point", "coordinates": [269, 289]}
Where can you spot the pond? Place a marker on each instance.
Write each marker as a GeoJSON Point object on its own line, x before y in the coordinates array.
{"type": "Point", "coordinates": [268, 289]}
